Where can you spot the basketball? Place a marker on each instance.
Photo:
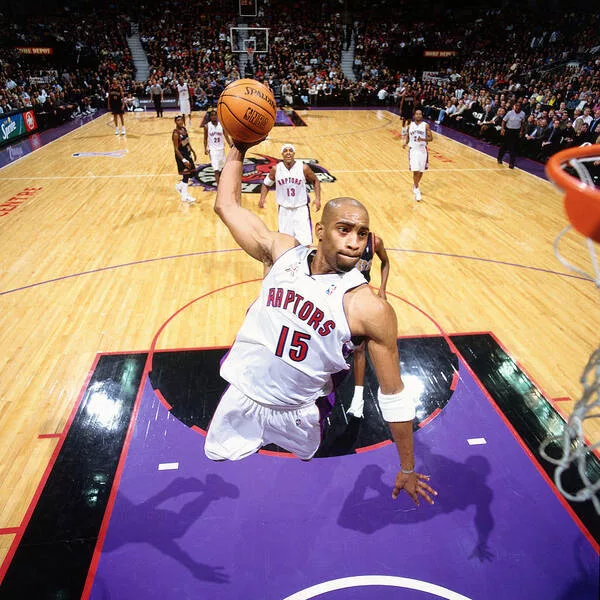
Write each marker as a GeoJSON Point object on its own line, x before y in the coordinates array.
{"type": "Point", "coordinates": [247, 110]}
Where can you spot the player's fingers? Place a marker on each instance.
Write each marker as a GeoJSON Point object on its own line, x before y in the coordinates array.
{"type": "Point", "coordinates": [425, 495]}
{"type": "Point", "coordinates": [428, 488]}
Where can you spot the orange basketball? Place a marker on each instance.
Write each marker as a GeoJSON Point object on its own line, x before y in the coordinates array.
{"type": "Point", "coordinates": [247, 110]}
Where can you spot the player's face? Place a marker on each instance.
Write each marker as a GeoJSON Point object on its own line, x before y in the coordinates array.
{"type": "Point", "coordinates": [343, 237]}
{"type": "Point", "coordinates": [179, 122]}
{"type": "Point", "coordinates": [214, 117]}
{"type": "Point", "coordinates": [418, 116]}
{"type": "Point", "coordinates": [288, 156]}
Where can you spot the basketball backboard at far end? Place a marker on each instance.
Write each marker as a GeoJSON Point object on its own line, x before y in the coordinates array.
{"type": "Point", "coordinates": [245, 38]}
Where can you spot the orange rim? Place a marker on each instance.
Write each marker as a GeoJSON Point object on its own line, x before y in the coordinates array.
{"type": "Point", "coordinates": [582, 202]}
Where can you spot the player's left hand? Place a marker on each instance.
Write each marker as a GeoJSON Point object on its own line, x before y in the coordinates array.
{"type": "Point", "coordinates": [317, 205]}
{"type": "Point", "coordinates": [244, 146]}
{"type": "Point", "coordinates": [415, 485]}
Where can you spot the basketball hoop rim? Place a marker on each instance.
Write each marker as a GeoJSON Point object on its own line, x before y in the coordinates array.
{"type": "Point", "coordinates": [582, 202]}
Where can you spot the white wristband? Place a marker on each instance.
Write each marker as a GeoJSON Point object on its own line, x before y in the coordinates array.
{"type": "Point", "coordinates": [268, 181]}
{"type": "Point", "coordinates": [397, 407]}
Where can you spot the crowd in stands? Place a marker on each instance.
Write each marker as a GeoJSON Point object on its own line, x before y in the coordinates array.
{"type": "Point", "coordinates": [547, 59]}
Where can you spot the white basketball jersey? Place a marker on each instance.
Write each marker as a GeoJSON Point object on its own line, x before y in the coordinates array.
{"type": "Point", "coordinates": [291, 185]}
{"type": "Point", "coordinates": [417, 135]}
{"type": "Point", "coordinates": [292, 338]}
{"type": "Point", "coordinates": [183, 92]}
{"type": "Point", "coordinates": [216, 139]}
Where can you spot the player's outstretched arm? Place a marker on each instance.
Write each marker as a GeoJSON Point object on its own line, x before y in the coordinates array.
{"type": "Point", "coordinates": [377, 320]}
{"type": "Point", "coordinates": [248, 230]}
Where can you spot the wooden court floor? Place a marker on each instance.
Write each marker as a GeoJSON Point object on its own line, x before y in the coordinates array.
{"type": "Point", "coordinates": [98, 254]}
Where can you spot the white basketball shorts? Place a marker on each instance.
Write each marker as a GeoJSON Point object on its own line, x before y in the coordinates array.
{"type": "Point", "coordinates": [418, 159]}
{"type": "Point", "coordinates": [241, 426]}
{"type": "Point", "coordinates": [217, 159]}
{"type": "Point", "coordinates": [296, 222]}
{"type": "Point", "coordinates": [184, 107]}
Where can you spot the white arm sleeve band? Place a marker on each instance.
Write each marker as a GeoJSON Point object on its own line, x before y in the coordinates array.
{"type": "Point", "coordinates": [268, 181]}
{"type": "Point", "coordinates": [397, 407]}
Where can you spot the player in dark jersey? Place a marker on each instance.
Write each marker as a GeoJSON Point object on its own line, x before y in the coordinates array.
{"type": "Point", "coordinates": [374, 247]}
{"type": "Point", "coordinates": [407, 106]}
{"type": "Point", "coordinates": [185, 156]}
{"type": "Point", "coordinates": [116, 105]}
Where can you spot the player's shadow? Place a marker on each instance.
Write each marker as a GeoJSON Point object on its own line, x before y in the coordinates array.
{"type": "Point", "coordinates": [160, 527]}
{"type": "Point", "coordinates": [369, 506]}
{"type": "Point", "coordinates": [584, 583]}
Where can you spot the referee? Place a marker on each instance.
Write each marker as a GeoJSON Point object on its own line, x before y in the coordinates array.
{"type": "Point", "coordinates": [513, 125]}
{"type": "Point", "coordinates": [156, 93]}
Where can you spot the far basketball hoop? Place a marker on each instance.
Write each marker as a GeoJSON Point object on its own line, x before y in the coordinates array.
{"type": "Point", "coordinates": [254, 38]}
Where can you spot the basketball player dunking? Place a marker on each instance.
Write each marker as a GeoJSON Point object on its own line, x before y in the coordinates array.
{"type": "Point", "coordinates": [417, 138]}
{"type": "Point", "coordinates": [310, 304]}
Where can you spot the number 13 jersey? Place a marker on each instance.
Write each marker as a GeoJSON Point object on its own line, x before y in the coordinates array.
{"type": "Point", "coordinates": [292, 339]}
{"type": "Point", "coordinates": [290, 185]}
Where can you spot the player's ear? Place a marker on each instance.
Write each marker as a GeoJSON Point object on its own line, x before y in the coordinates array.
{"type": "Point", "coordinates": [319, 231]}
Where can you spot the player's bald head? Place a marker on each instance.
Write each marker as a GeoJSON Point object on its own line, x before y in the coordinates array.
{"type": "Point", "coordinates": [335, 206]}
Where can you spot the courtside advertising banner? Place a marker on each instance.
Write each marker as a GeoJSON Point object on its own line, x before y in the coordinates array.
{"type": "Point", "coordinates": [15, 126]}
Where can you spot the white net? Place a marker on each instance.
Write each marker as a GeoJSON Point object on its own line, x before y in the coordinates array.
{"type": "Point", "coordinates": [577, 473]}
{"type": "Point", "coordinates": [569, 451]}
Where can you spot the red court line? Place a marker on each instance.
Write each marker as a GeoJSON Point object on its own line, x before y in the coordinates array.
{"type": "Point", "coordinates": [596, 451]}
{"type": "Point", "coordinates": [431, 417]}
{"type": "Point", "coordinates": [373, 446]}
{"type": "Point", "coordinates": [145, 380]}
{"type": "Point", "coordinates": [532, 458]}
{"type": "Point", "coordinates": [275, 453]}
{"type": "Point", "coordinates": [32, 504]}
{"type": "Point", "coordinates": [115, 486]}
{"type": "Point", "coordinates": [198, 430]}
{"type": "Point", "coordinates": [9, 530]}
{"type": "Point", "coordinates": [44, 436]}
{"type": "Point", "coordinates": [159, 395]}
{"type": "Point", "coordinates": [454, 381]}
{"type": "Point", "coordinates": [563, 399]}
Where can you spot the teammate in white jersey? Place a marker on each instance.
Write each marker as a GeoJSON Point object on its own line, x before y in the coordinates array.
{"type": "Point", "coordinates": [289, 178]}
{"type": "Point", "coordinates": [184, 100]}
{"type": "Point", "coordinates": [214, 143]}
{"type": "Point", "coordinates": [417, 138]}
{"type": "Point", "coordinates": [290, 343]}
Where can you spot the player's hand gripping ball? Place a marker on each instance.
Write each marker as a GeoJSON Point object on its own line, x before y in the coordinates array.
{"type": "Point", "coordinates": [247, 110]}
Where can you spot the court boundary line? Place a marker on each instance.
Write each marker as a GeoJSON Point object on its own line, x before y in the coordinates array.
{"type": "Point", "coordinates": [5, 564]}
{"type": "Point", "coordinates": [207, 252]}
